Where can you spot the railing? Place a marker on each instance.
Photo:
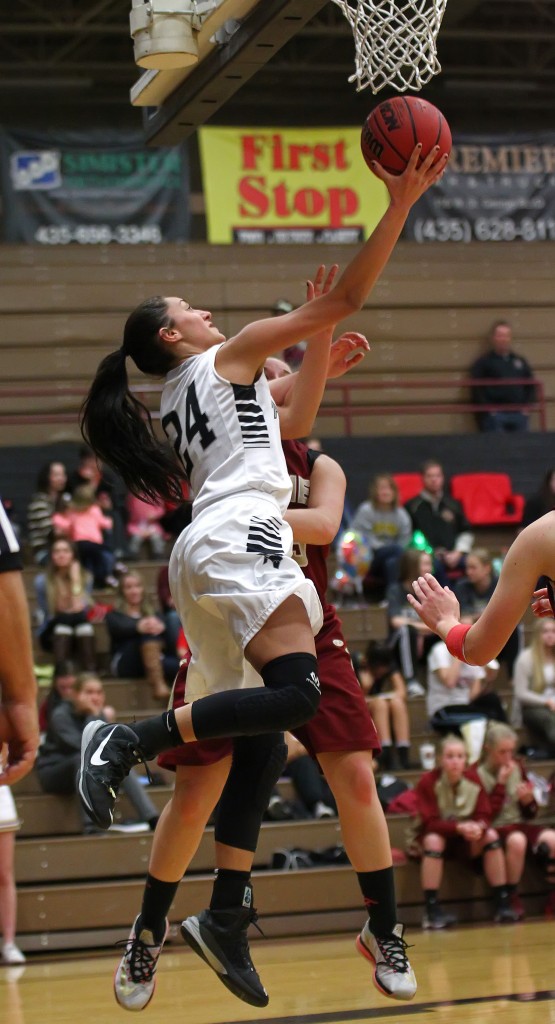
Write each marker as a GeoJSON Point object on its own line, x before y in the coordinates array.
{"type": "Point", "coordinates": [345, 408]}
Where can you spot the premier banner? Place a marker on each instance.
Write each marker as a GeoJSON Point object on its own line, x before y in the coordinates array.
{"type": "Point", "coordinates": [92, 187]}
{"type": "Point", "coordinates": [288, 185]}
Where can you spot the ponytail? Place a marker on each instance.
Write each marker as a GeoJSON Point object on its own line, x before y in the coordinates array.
{"type": "Point", "coordinates": [118, 427]}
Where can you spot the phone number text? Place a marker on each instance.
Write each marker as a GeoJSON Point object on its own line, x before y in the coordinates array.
{"type": "Point", "coordinates": [484, 229]}
{"type": "Point", "coordinates": [99, 234]}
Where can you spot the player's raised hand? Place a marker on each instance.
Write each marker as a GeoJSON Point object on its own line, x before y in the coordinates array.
{"type": "Point", "coordinates": [404, 189]}
{"type": "Point", "coordinates": [322, 282]}
{"type": "Point", "coordinates": [346, 352]}
{"type": "Point", "coordinates": [436, 605]}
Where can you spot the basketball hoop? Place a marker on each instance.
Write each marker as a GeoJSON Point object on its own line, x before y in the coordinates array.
{"type": "Point", "coordinates": [395, 42]}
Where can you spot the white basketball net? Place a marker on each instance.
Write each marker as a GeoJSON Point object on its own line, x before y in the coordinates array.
{"type": "Point", "coordinates": [395, 41]}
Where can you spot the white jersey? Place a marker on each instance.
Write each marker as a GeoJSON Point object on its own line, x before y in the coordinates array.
{"type": "Point", "coordinates": [226, 435]}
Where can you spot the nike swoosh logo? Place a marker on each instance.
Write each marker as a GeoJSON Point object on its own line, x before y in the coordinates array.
{"type": "Point", "coordinates": [96, 758]}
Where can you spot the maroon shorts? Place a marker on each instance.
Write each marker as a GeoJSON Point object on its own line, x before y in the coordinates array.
{"type": "Point", "coordinates": [531, 830]}
{"type": "Point", "coordinates": [342, 722]}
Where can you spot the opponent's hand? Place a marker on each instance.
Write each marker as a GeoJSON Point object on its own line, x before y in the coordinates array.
{"type": "Point", "coordinates": [541, 605]}
{"type": "Point", "coordinates": [437, 606]}
{"type": "Point", "coordinates": [347, 352]}
{"type": "Point", "coordinates": [322, 282]}
{"type": "Point", "coordinates": [404, 189]}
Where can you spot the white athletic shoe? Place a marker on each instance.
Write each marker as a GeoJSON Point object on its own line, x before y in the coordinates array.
{"type": "Point", "coordinates": [393, 974]}
{"type": "Point", "coordinates": [11, 954]}
{"type": "Point", "coordinates": [135, 977]}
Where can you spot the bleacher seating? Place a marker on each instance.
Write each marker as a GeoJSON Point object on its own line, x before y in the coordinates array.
{"type": "Point", "coordinates": [487, 498]}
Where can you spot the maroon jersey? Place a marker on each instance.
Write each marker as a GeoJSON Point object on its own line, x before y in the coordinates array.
{"type": "Point", "coordinates": [312, 558]}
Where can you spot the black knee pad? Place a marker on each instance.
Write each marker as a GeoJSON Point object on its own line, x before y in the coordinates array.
{"type": "Point", "coordinates": [434, 854]}
{"type": "Point", "coordinates": [290, 698]}
{"type": "Point", "coordinates": [257, 764]}
{"type": "Point", "coordinates": [495, 844]}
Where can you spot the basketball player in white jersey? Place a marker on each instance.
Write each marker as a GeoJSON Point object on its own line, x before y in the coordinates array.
{"type": "Point", "coordinates": [242, 598]}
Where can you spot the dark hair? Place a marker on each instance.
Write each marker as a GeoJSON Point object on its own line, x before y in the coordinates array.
{"type": "Point", "coordinates": [379, 654]}
{"type": "Point", "coordinates": [43, 477]}
{"type": "Point", "coordinates": [117, 426]}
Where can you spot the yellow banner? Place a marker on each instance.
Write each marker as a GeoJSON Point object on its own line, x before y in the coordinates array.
{"type": "Point", "coordinates": [279, 185]}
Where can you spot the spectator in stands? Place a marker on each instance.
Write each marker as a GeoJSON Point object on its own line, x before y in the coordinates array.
{"type": "Point", "coordinates": [386, 527]}
{"type": "Point", "coordinates": [64, 601]}
{"type": "Point", "coordinates": [386, 696]}
{"type": "Point", "coordinates": [500, 363]}
{"type": "Point", "coordinates": [144, 527]}
{"type": "Point", "coordinates": [453, 820]}
{"type": "Point", "coordinates": [442, 521]}
{"type": "Point", "coordinates": [63, 683]}
{"type": "Point", "coordinates": [534, 684]}
{"type": "Point", "coordinates": [110, 497]}
{"type": "Point", "coordinates": [50, 496]}
{"type": "Point", "coordinates": [309, 783]}
{"type": "Point", "coordinates": [60, 751]}
{"type": "Point", "coordinates": [513, 809]}
{"type": "Point", "coordinates": [456, 692]}
{"type": "Point", "coordinates": [83, 523]}
{"type": "Point", "coordinates": [542, 502]}
{"type": "Point", "coordinates": [138, 638]}
{"type": "Point", "coordinates": [474, 591]}
{"type": "Point", "coordinates": [410, 639]}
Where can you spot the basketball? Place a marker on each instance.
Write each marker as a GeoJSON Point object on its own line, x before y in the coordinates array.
{"type": "Point", "coordinates": [394, 127]}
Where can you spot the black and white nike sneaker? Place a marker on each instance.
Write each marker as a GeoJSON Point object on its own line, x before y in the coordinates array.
{"type": "Point", "coordinates": [108, 753]}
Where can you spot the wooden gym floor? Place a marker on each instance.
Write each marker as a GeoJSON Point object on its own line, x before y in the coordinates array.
{"type": "Point", "coordinates": [471, 974]}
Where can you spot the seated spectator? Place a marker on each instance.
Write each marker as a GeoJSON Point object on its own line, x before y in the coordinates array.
{"type": "Point", "coordinates": [454, 821]}
{"type": "Point", "coordinates": [59, 754]}
{"type": "Point", "coordinates": [456, 692]}
{"type": "Point", "coordinates": [386, 696]}
{"type": "Point", "coordinates": [82, 522]}
{"type": "Point", "coordinates": [138, 638]}
{"type": "Point", "coordinates": [144, 528]}
{"type": "Point", "coordinates": [474, 591]}
{"type": "Point", "coordinates": [542, 502]}
{"type": "Point", "coordinates": [386, 527]}
{"type": "Point", "coordinates": [109, 496]}
{"type": "Point", "coordinates": [534, 685]}
{"type": "Point", "coordinates": [309, 783]}
{"type": "Point", "coordinates": [63, 683]}
{"type": "Point", "coordinates": [49, 497]}
{"type": "Point", "coordinates": [514, 809]}
{"type": "Point", "coordinates": [409, 639]}
{"type": "Point", "coordinates": [64, 603]}
{"type": "Point", "coordinates": [442, 522]}
{"type": "Point", "coordinates": [500, 363]}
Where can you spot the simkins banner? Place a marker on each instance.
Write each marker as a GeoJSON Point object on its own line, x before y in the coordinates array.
{"type": "Point", "coordinates": [312, 185]}
{"type": "Point", "coordinates": [272, 185]}
{"type": "Point", "coordinates": [91, 187]}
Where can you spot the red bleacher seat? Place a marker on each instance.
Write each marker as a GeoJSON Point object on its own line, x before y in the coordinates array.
{"type": "Point", "coordinates": [487, 498]}
{"type": "Point", "coordinates": [409, 485]}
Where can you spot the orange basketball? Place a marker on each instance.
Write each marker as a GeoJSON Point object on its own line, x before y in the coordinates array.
{"type": "Point", "coordinates": [394, 127]}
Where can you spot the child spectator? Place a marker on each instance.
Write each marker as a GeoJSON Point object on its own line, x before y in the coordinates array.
{"type": "Point", "coordinates": [138, 638]}
{"type": "Point", "coordinates": [454, 821]}
{"type": "Point", "coordinates": [109, 495]}
{"type": "Point", "coordinates": [143, 527]}
{"type": "Point", "coordinates": [474, 591]}
{"type": "Point", "coordinates": [82, 522]}
{"type": "Point", "coordinates": [49, 497]}
{"type": "Point", "coordinates": [455, 691]}
{"type": "Point", "coordinates": [60, 752]}
{"type": "Point", "coordinates": [386, 526]}
{"type": "Point", "coordinates": [63, 602]}
{"type": "Point", "coordinates": [63, 683]}
{"type": "Point", "coordinates": [410, 638]}
{"type": "Point", "coordinates": [386, 695]}
{"type": "Point", "coordinates": [513, 809]}
{"type": "Point", "coordinates": [534, 684]}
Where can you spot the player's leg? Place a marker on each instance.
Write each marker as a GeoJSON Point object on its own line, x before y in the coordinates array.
{"type": "Point", "coordinates": [431, 874]}
{"type": "Point", "coordinates": [219, 933]}
{"type": "Point", "coordinates": [176, 839]}
{"type": "Point", "coordinates": [351, 779]}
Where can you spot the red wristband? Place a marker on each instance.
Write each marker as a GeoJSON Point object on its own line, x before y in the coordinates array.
{"type": "Point", "coordinates": [455, 640]}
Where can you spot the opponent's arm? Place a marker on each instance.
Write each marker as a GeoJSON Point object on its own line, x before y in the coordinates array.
{"type": "Point", "coordinates": [319, 522]}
